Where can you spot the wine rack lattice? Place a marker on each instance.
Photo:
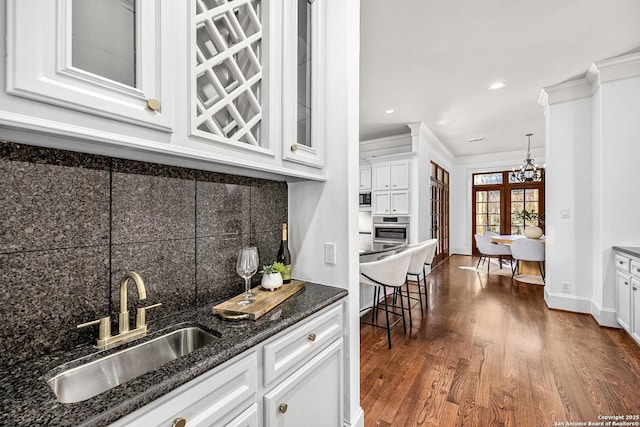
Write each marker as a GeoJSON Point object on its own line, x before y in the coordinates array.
{"type": "Point", "coordinates": [228, 71]}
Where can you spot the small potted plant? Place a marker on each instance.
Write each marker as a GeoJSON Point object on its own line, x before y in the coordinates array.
{"type": "Point", "coordinates": [534, 219]}
{"type": "Point", "coordinates": [272, 275]}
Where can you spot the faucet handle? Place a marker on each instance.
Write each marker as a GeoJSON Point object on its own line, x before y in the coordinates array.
{"type": "Point", "coordinates": [141, 318]}
{"type": "Point", "coordinates": [104, 331]}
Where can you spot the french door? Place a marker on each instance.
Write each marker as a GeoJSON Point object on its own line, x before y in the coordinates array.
{"type": "Point", "coordinates": [498, 200]}
{"type": "Point", "coordinates": [440, 212]}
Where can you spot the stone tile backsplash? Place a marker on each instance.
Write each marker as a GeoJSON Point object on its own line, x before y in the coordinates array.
{"type": "Point", "coordinates": [72, 224]}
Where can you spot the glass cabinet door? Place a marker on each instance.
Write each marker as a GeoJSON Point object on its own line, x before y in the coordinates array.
{"type": "Point", "coordinates": [99, 57]}
{"type": "Point", "coordinates": [301, 82]}
{"type": "Point", "coordinates": [103, 36]}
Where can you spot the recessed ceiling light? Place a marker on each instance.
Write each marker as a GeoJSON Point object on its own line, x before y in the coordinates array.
{"type": "Point", "coordinates": [497, 85]}
{"type": "Point", "coordinates": [389, 111]}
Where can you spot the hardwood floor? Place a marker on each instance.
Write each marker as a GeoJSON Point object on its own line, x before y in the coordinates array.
{"type": "Point", "coordinates": [490, 353]}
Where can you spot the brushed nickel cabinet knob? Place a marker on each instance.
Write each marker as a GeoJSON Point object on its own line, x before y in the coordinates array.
{"type": "Point", "coordinates": [294, 147]}
{"type": "Point", "coordinates": [312, 337]}
{"type": "Point", "coordinates": [179, 422]}
{"type": "Point", "coordinates": [283, 408]}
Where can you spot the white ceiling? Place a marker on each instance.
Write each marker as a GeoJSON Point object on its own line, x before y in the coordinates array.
{"type": "Point", "coordinates": [432, 62]}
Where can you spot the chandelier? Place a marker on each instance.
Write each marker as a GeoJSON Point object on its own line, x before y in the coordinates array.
{"type": "Point", "coordinates": [529, 171]}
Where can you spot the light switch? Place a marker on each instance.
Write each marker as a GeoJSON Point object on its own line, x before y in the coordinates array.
{"type": "Point", "coordinates": [329, 253]}
{"type": "Point", "coordinates": [564, 213]}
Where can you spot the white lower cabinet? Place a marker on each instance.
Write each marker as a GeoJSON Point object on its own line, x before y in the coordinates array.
{"type": "Point", "coordinates": [628, 294]}
{"type": "Point", "coordinates": [310, 397]}
{"type": "Point", "coordinates": [294, 378]}
{"type": "Point", "coordinates": [218, 397]}
{"type": "Point", "coordinates": [635, 303]}
{"type": "Point", "coordinates": [623, 297]}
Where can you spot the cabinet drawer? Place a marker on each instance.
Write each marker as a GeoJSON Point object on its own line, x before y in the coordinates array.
{"type": "Point", "coordinates": [635, 268]}
{"type": "Point", "coordinates": [301, 343]}
{"type": "Point", "coordinates": [213, 398]}
{"type": "Point", "coordinates": [622, 263]}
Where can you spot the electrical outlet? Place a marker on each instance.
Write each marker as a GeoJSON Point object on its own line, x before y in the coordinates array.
{"type": "Point", "coordinates": [329, 253]}
{"type": "Point", "coordinates": [566, 287]}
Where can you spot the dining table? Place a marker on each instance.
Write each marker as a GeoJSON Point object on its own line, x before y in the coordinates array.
{"type": "Point", "coordinates": [526, 267]}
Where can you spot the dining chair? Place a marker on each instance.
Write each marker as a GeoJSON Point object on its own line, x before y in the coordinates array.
{"type": "Point", "coordinates": [489, 249]}
{"type": "Point", "coordinates": [389, 272]}
{"type": "Point", "coordinates": [414, 268]}
{"type": "Point", "coordinates": [527, 250]}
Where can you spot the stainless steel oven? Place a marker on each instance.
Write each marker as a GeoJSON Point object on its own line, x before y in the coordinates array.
{"type": "Point", "coordinates": [390, 229]}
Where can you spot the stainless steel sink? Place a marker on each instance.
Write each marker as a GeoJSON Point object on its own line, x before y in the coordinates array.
{"type": "Point", "coordinates": [92, 378]}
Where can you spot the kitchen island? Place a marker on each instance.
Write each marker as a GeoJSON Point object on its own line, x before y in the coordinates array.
{"type": "Point", "coordinates": [27, 399]}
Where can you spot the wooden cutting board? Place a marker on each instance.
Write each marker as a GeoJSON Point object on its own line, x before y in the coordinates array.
{"type": "Point", "coordinates": [264, 301]}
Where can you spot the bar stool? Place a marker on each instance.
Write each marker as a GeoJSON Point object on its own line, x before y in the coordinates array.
{"type": "Point", "coordinates": [415, 269]}
{"type": "Point", "coordinates": [389, 272]}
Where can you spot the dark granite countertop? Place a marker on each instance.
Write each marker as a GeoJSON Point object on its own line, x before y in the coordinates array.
{"type": "Point", "coordinates": [376, 248]}
{"type": "Point", "coordinates": [629, 250]}
{"type": "Point", "coordinates": [27, 400]}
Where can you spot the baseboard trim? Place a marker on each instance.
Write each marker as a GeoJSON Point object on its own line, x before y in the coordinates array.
{"type": "Point", "coordinates": [567, 302]}
{"type": "Point", "coordinates": [604, 316]}
{"type": "Point", "coordinates": [357, 420]}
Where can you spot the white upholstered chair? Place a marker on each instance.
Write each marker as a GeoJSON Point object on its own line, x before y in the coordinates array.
{"type": "Point", "coordinates": [489, 249]}
{"type": "Point", "coordinates": [389, 272]}
{"type": "Point", "coordinates": [527, 250]}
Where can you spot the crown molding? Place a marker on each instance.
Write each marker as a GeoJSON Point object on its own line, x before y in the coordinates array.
{"type": "Point", "coordinates": [620, 67]}
{"type": "Point", "coordinates": [571, 90]}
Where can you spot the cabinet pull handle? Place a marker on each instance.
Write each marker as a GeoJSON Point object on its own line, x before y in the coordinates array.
{"type": "Point", "coordinates": [620, 262]}
{"type": "Point", "coordinates": [312, 337]}
{"type": "Point", "coordinates": [179, 422]}
{"type": "Point", "coordinates": [635, 289]}
{"type": "Point", "coordinates": [153, 104]}
{"type": "Point", "coordinates": [283, 408]}
{"type": "Point", "coordinates": [626, 283]}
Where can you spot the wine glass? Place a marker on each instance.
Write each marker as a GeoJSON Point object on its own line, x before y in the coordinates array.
{"type": "Point", "coordinates": [246, 267]}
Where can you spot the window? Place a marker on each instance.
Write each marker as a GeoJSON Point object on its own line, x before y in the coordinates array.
{"type": "Point", "coordinates": [498, 201]}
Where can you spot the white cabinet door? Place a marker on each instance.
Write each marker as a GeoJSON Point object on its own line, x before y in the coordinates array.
{"type": "Point", "coordinates": [381, 203]}
{"type": "Point", "coordinates": [635, 305]}
{"type": "Point", "coordinates": [311, 396]}
{"type": "Point", "coordinates": [399, 175]}
{"type": "Point", "coordinates": [381, 176]}
{"type": "Point", "coordinates": [365, 177]}
{"type": "Point", "coordinates": [399, 202]}
{"type": "Point", "coordinates": [57, 56]}
{"type": "Point", "coordinates": [623, 287]}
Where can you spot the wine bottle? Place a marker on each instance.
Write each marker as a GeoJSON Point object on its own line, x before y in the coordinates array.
{"type": "Point", "coordinates": [284, 256]}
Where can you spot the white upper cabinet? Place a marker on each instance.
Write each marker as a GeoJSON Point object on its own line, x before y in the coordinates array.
{"type": "Point", "coordinates": [391, 175]}
{"type": "Point", "coordinates": [302, 82]}
{"type": "Point", "coordinates": [98, 57]}
{"type": "Point", "coordinates": [365, 178]}
{"type": "Point", "coordinates": [226, 73]}
{"type": "Point", "coordinates": [232, 86]}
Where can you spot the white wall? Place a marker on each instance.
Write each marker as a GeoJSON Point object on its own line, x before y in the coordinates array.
{"type": "Point", "coordinates": [593, 126]}
{"type": "Point", "coordinates": [328, 211]}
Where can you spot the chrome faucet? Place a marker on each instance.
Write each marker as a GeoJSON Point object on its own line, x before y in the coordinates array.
{"type": "Point", "coordinates": [124, 333]}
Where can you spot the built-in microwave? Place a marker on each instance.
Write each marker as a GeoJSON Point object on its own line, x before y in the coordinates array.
{"type": "Point", "coordinates": [365, 199]}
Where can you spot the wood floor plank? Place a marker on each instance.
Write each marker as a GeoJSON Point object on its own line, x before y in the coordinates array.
{"type": "Point", "coordinates": [488, 352]}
